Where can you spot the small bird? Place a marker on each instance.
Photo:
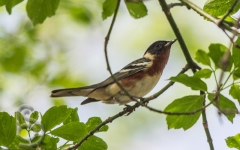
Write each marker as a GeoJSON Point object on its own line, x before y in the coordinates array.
{"type": "Point", "coordinates": [137, 78]}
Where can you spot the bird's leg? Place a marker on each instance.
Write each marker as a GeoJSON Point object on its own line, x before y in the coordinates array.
{"type": "Point", "coordinates": [144, 103]}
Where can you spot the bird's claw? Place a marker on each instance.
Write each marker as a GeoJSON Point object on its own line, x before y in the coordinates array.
{"type": "Point", "coordinates": [129, 109]}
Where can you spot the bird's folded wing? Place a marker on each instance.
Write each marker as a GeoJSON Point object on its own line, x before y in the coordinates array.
{"type": "Point", "coordinates": [130, 69]}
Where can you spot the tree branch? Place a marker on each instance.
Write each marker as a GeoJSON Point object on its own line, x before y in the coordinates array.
{"type": "Point", "coordinates": [184, 48]}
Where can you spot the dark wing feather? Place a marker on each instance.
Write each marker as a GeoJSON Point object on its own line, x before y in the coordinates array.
{"type": "Point", "coordinates": [130, 69]}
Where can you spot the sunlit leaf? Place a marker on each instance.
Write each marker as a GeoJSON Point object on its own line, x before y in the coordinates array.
{"type": "Point", "coordinates": [49, 142]}
{"type": "Point", "coordinates": [236, 73]}
{"type": "Point", "coordinates": [39, 10]}
{"type": "Point", "coordinates": [54, 116]}
{"type": "Point", "coordinates": [202, 57]}
{"type": "Point", "coordinates": [193, 82]}
{"type": "Point", "coordinates": [93, 122]}
{"type": "Point", "coordinates": [216, 52]}
{"type": "Point", "coordinates": [235, 92]}
{"type": "Point", "coordinates": [7, 129]}
{"type": "Point", "coordinates": [236, 54]}
{"type": "Point", "coordinates": [220, 7]}
{"type": "Point", "coordinates": [10, 4]}
{"type": "Point", "coordinates": [203, 73]}
{"type": "Point", "coordinates": [184, 104]}
{"type": "Point", "coordinates": [72, 131]}
{"type": "Point", "coordinates": [108, 8]}
{"type": "Point", "coordinates": [233, 141]}
{"type": "Point", "coordinates": [136, 10]}
{"type": "Point", "coordinates": [94, 143]}
{"type": "Point", "coordinates": [73, 117]}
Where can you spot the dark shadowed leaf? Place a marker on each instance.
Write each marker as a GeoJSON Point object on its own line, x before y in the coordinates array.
{"type": "Point", "coordinates": [94, 143]}
{"type": "Point", "coordinates": [54, 116]}
{"type": "Point", "coordinates": [228, 108]}
{"type": "Point", "coordinates": [72, 131]}
{"type": "Point", "coordinates": [193, 82]}
{"type": "Point", "coordinates": [233, 141]}
{"type": "Point", "coordinates": [184, 104]}
{"type": "Point", "coordinates": [203, 73]}
{"type": "Point", "coordinates": [136, 10]}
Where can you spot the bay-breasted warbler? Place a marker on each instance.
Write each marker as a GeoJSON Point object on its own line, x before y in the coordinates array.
{"type": "Point", "coordinates": [138, 78]}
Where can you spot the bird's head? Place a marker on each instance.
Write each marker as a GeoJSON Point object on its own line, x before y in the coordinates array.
{"type": "Point", "coordinates": [158, 48]}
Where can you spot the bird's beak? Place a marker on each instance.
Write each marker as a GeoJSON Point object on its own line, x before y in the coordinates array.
{"type": "Point", "coordinates": [170, 42]}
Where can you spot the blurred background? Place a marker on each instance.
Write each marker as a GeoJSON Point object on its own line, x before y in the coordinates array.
{"type": "Point", "coordinates": [67, 51]}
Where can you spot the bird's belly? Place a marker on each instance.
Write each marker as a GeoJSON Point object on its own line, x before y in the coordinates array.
{"type": "Point", "coordinates": [135, 89]}
{"type": "Point", "coordinates": [144, 87]}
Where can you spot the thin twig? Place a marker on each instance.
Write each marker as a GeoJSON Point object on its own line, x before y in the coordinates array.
{"type": "Point", "coordinates": [180, 113]}
{"type": "Point", "coordinates": [205, 125]}
{"type": "Point", "coordinates": [197, 9]}
{"type": "Point", "coordinates": [171, 5]}
{"type": "Point", "coordinates": [183, 46]}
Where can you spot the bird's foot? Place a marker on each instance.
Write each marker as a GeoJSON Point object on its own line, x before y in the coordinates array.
{"type": "Point", "coordinates": [144, 103]}
{"type": "Point", "coordinates": [129, 109]}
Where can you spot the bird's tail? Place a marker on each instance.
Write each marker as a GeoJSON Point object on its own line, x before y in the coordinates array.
{"type": "Point", "coordinates": [71, 92]}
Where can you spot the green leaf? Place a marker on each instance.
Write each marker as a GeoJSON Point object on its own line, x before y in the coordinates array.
{"type": "Point", "coordinates": [236, 54]}
{"type": "Point", "coordinates": [72, 131]}
{"type": "Point", "coordinates": [233, 141]}
{"type": "Point", "coordinates": [236, 74]}
{"type": "Point", "coordinates": [36, 128]}
{"type": "Point", "coordinates": [108, 8]}
{"type": "Point", "coordinates": [10, 4]}
{"type": "Point", "coordinates": [93, 122]}
{"type": "Point", "coordinates": [7, 129]}
{"type": "Point", "coordinates": [184, 104]}
{"type": "Point", "coordinates": [235, 92]}
{"type": "Point", "coordinates": [227, 107]}
{"type": "Point", "coordinates": [3, 2]}
{"type": "Point", "coordinates": [203, 73]}
{"type": "Point", "coordinates": [16, 54]}
{"type": "Point", "coordinates": [49, 142]}
{"type": "Point", "coordinates": [136, 10]}
{"type": "Point", "coordinates": [54, 116]}
{"type": "Point", "coordinates": [94, 143]}
{"type": "Point", "coordinates": [39, 10]}
{"type": "Point", "coordinates": [21, 120]}
{"type": "Point", "coordinates": [193, 82]}
{"type": "Point", "coordinates": [216, 52]}
{"type": "Point", "coordinates": [15, 144]}
{"type": "Point", "coordinates": [33, 117]}
{"type": "Point", "coordinates": [202, 57]}
{"type": "Point", "coordinates": [73, 117]}
{"type": "Point", "coordinates": [220, 7]}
